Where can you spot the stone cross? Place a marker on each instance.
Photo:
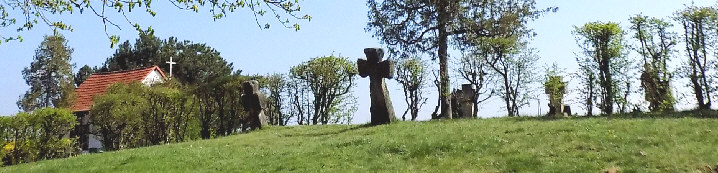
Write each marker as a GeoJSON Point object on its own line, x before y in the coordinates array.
{"type": "Point", "coordinates": [382, 112]}
{"type": "Point", "coordinates": [253, 103]}
{"type": "Point", "coordinates": [467, 105]}
{"type": "Point", "coordinates": [171, 63]}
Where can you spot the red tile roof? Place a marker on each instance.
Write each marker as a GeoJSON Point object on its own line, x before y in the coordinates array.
{"type": "Point", "coordinates": [98, 83]}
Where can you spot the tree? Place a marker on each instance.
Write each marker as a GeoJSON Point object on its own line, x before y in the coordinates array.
{"type": "Point", "coordinates": [475, 70]}
{"type": "Point", "coordinates": [49, 76]}
{"type": "Point", "coordinates": [699, 25]}
{"type": "Point", "coordinates": [411, 74]}
{"type": "Point", "coordinates": [656, 43]}
{"type": "Point", "coordinates": [83, 74]}
{"type": "Point", "coordinates": [411, 27]}
{"type": "Point", "coordinates": [516, 72]}
{"type": "Point", "coordinates": [134, 115]}
{"type": "Point", "coordinates": [624, 77]}
{"type": "Point", "coordinates": [145, 53]}
{"type": "Point", "coordinates": [275, 84]}
{"type": "Point", "coordinates": [197, 63]}
{"type": "Point", "coordinates": [330, 80]}
{"type": "Point", "coordinates": [299, 101]}
{"type": "Point", "coordinates": [34, 12]}
{"type": "Point", "coordinates": [219, 105]}
{"type": "Point", "coordinates": [587, 79]}
{"type": "Point", "coordinates": [503, 50]}
{"type": "Point", "coordinates": [603, 48]}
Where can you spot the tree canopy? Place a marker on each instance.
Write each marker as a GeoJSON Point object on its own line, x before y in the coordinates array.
{"type": "Point", "coordinates": [197, 63]}
{"type": "Point", "coordinates": [49, 76]}
{"type": "Point", "coordinates": [656, 47]}
{"type": "Point", "coordinates": [430, 27]}
{"type": "Point", "coordinates": [411, 73]}
{"type": "Point", "coordinates": [699, 24]}
{"type": "Point", "coordinates": [603, 47]}
{"type": "Point", "coordinates": [330, 80]}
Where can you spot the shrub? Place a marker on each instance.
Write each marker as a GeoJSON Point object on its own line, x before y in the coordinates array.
{"type": "Point", "coordinates": [133, 115]}
{"type": "Point", "coordinates": [42, 134]}
{"type": "Point", "coordinates": [116, 116]}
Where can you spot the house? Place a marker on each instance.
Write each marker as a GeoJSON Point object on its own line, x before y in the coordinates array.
{"type": "Point", "coordinates": [96, 85]}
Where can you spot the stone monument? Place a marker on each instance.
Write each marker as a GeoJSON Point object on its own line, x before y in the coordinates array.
{"type": "Point", "coordinates": [467, 104]}
{"type": "Point", "coordinates": [382, 112]}
{"type": "Point", "coordinates": [461, 101]}
{"type": "Point", "coordinates": [555, 88]}
{"type": "Point", "coordinates": [253, 102]}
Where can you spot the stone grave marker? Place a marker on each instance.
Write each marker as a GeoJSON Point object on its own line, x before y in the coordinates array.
{"type": "Point", "coordinates": [467, 104]}
{"type": "Point", "coordinates": [253, 102]}
{"type": "Point", "coordinates": [382, 112]}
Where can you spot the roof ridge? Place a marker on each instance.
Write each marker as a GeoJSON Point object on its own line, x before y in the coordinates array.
{"type": "Point", "coordinates": [124, 71]}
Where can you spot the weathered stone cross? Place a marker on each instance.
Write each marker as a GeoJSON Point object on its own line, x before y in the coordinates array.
{"type": "Point", "coordinates": [171, 63]}
{"type": "Point", "coordinates": [382, 112]}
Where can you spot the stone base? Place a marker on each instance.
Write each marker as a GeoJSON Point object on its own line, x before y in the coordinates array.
{"type": "Point", "coordinates": [562, 111]}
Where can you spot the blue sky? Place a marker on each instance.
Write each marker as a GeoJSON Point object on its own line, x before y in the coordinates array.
{"type": "Point", "coordinates": [337, 28]}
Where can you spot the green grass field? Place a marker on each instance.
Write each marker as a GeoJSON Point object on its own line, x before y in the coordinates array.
{"type": "Point", "coordinates": [484, 145]}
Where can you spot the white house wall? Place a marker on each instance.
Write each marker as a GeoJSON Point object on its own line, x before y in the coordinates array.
{"type": "Point", "coordinates": [153, 78]}
{"type": "Point", "coordinates": [94, 142]}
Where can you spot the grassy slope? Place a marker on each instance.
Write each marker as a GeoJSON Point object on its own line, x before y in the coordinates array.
{"type": "Point", "coordinates": [489, 145]}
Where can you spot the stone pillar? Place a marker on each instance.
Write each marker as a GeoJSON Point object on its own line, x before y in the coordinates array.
{"type": "Point", "coordinates": [467, 104]}
{"type": "Point", "coordinates": [253, 102]}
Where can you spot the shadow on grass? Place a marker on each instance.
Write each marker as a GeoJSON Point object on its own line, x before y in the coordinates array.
{"type": "Point", "coordinates": [329, 133]}
{"type": "Point", "coordinates": [633, 115]}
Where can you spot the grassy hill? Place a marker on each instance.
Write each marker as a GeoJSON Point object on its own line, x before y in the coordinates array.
{"type": "Point", "coordinates": [485, 145]}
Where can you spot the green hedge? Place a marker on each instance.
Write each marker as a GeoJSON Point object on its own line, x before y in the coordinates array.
{"type": "Point", "coordinates": [42, 134]}
{"type": "Point", "coordinates": [133, 115]}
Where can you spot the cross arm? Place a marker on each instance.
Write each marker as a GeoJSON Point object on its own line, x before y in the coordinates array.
{"type": "Point", "coordinates": [386, 69]}
{"type": "Point", "coordinates": [363, 68]}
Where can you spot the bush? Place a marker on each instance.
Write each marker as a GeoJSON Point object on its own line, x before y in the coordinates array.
{"type": "Point", "coordinates": [170, 117]}
{"type": "Point", "coordinates": [132, 115]}
{"type": "Point", "coordinates": [117, 116]}
{"type": "Point", "coordinates": [28, 137]}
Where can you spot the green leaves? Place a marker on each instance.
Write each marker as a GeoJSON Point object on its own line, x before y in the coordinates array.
{"type": "Point", "coordinates": [114, 39]}
{"type": "Point", "coordinates": [605, 40]}
{"type": "Point", "coordinates": [329, 79]}
{"type": "Point", "coordinates": [49, 76]}
{"type": "Point", "coordinates": [699, 26]}
{"type": "Point", "coordinates": [29, 137]}
{"type": "Point", "coordinates": [116, 115]}
{"type": "Point", "coordinates": [200, 63]}
{"type": "Point", "coordinates": [604, 54]}
{"type": "Point", "coordinates": [656, 44]}
{"type": "Point", "coordinates": [411, 74]}
{"type": "Point", "coordinates": [34, 12]}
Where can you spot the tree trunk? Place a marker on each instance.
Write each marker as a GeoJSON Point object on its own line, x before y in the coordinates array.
{"type": "Point", "coordinates": [443, 61]}
{"type": "Point", "coordinates": [507, 93]}
{"type": "Point", "coordinates": [415, 109]}
{"type": "Point", "coordinates": [691, 45]}
{"type": "Point", "coordinates": [475, 102]}
{"type": "Point", "coordinates": [317, 111]}
{"type": "Point", "coordinates": [589, 101]}
{"type": "Point", "coordinates": [607, 85]}
{"type": "Point", "coordinates": [703, 66]}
